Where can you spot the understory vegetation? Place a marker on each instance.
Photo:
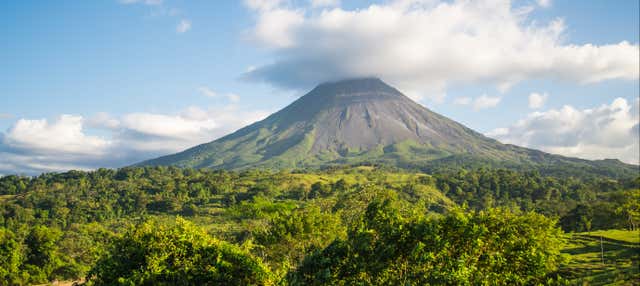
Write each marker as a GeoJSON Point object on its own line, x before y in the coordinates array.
{"type": "Point", "coordinates": [341, 226]}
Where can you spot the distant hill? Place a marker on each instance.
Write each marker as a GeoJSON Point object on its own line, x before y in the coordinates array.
{"type": "Point", "coordinates": [366, 121]}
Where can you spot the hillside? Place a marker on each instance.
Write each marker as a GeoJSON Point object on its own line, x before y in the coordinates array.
{"type": "Point", "coordinates": [367, 121]}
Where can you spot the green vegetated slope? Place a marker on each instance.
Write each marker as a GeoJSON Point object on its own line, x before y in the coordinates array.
{"type": "Point", "coordinates": [366, 225]}
{"type": "Point", "coordinates": [366, 121]}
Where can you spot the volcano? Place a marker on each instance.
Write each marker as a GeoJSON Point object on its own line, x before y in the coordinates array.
{"type": "Point", "coordinates": [366, 121]}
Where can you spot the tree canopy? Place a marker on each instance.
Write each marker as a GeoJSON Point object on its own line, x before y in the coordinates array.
{"type": "Point", "coordinates": [153, 253]}
{"type": "Point", "coordinates": [492, 247]}
{"type": "Point", "coordinates": [338, 225]}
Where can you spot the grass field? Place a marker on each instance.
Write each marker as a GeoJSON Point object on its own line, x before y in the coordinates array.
{"type": "Point", "coordinates": [621, 249]}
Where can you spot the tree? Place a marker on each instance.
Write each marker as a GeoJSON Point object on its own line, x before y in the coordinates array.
{"type": "Point", "coordinates": [631, 209]}
{"type": "Point", "coordinates": [579, 219]}
{"type": "Point", "coordinates": [10, 257]}
{"type": "Point", "coordinates": [42, 251]}
{"type": "Point", "coordinates": [494, 247]}
{"type": "Point", "coordinates": [290, 235]}
{"type": "Point", "coordinates": [153, 253]}
{"type": "Point", "coordinates": [319, 189]}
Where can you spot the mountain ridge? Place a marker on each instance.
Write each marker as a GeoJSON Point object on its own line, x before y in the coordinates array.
{"type": "Point", "coordinates": [358, 121]}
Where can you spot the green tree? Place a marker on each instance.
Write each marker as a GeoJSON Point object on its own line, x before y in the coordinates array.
{"type": "Point", "coordinates": [291, 235]}
{"type": "Point", "coordinates": [631, 209]}
{"type": "Point", "coordinates": [493, 247]}
{"type": "Point", "coordinates": [153, 253]}
{"type": "Point", "coordinates": [42, 257]}
{"type": "Point", "coordinates": [319, 189]}
{"type": "Point", "coordinates": [10, 257]}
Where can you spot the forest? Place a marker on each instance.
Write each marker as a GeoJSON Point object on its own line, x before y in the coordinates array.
{"type": "Point", "coordinates": [365, 225]}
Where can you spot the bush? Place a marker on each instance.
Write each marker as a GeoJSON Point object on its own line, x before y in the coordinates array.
{"type": "Point", "coordinates": [493, 247]}
{"type": "Point", "coordinates": [153, 253]}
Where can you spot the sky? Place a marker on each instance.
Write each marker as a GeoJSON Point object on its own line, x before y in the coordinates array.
{"type": "Point", "coordinates": [89, 84]}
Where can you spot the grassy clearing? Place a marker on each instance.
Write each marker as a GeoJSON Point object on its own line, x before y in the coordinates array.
{"type": "Point", "coordinates": [628, 236]}
{"type": "Point", "coordinates": [621, 258]}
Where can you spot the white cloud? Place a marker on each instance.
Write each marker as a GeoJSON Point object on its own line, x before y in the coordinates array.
{"type": "Point", "coordinates": [485, 101]}
{"type": "Point", "coordinates": [34, 146]}
{"type": "Point", "coordinates": [183, 26]}
{"type": "Point", "coordinates": [482, 102]}
{"type": "Point", "coordinates": [64, 135]}
{"type": "Point", "coordinates": [498, 132]}
{"type": "Point", "coordinates": [5, 115]}
{"type": "Point", "coordinates": [275, 27]}
{"type": "Point", "coordinates": [263, 4]}
{"type": "Point", "coordinates": [537, 100]}
{"type": "Point", "coordinates": [424, 46]}
{"type": "Point", "coordinates": [544, 3]}
{"type": "Point", "coordinates": [171, 133]}
{"type": "Point", "coordinates": [167, 126]}
{"type": "Point", "coordinates": [324, 3]}
{"type": "Point", "coordinates": [30, 164]}
{"type": "Point", "coordinates": [608, 131]}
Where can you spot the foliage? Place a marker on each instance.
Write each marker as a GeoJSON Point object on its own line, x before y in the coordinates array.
{"type": "Point", "coordinates": [493, 247]}
{"type": "Point", "coordinates": [155, 254]}
{"type": "Point", "coordinates": [581, 204]}
{"type": "Point", "coordinates": [10, 257]}
{"type": "Point", "coordinates": [630, 209]}
{"type": "Point", "coordinates": [57, 226]}
{"type": "Point", "coordinates": [290, 236]}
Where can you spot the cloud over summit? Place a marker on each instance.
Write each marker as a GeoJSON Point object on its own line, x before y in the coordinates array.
{"type": "Point", "coordinates": [427, 45]}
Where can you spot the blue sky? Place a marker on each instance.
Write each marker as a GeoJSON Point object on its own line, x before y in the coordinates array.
{"type": "Point", "coordinates": [119, 81]}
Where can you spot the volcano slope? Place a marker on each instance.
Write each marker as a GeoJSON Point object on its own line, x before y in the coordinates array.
{"type": "Point", "coordinates": [366, 121]}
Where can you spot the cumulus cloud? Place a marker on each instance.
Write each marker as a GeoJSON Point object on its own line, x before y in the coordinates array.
{"type": "Point", "coordinates": [102, 140]}
{"type": "Point", "coordinates": [35, 146]}
{"type": "Point", "coordinates": [424, 46]}
{"type": "Point", "coordinates": [263, 4]}
{"type": "Point", "coordinates": [607, 131]}
{"type": "Point", "coordinates": [537, 100]}
{"type": "Point", "coordinates": [183, 26]}
{"type": "Point", "coordinates": [275, 27]}
{"type": "Point", "coordinates": [482, 102]}
{"type": "Point", "coordinates": [65, 135]}
{"type": "Point", "coordinates": [166, 126]}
